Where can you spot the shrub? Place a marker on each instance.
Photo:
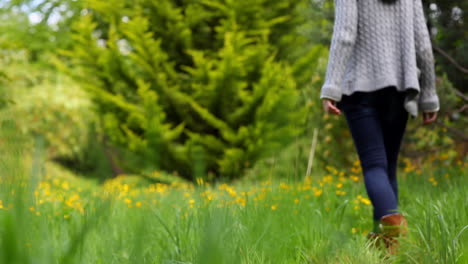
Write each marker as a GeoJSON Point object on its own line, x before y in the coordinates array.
{"type": "Point", "coordinates": [195, 87]}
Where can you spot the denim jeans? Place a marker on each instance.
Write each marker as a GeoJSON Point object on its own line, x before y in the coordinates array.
{"type": "Point", "coordinates": [377, 122]}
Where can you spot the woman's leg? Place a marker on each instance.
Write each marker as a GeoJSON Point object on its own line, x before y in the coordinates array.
{"type": "Point", "coordinates": [394, 119]}
{"type": "Point", "coordinates": [365, 125]}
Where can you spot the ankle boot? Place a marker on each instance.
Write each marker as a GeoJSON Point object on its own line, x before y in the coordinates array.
{"type": "Point", "coordinates": [393, 226]}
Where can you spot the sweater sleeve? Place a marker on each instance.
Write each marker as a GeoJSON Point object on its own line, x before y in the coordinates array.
{"type": "Point", "coordinates": [341, 48]}
{"type": "Point", "coordinates": [428, 99]}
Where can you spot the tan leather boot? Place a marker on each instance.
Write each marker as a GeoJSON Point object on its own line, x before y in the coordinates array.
{"type": "Point", "coordinates": [393, 226]}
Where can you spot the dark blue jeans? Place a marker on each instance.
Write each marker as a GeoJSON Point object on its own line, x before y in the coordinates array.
{"type": "Point", "coordinates": [377, 122]}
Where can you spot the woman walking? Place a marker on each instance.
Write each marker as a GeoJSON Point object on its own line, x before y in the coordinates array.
{"type": "Point", "coordinates": [380, 72]}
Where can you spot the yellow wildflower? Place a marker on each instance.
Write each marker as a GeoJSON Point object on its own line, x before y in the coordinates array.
{"type": "Point", "coordinates": [354, 178]}
{"type": "Point", "coordinates": [365, 201]}
{"type": "Point", "coordinates": [65, 185]}
{"type": "Point", "coordinates": [241, 201]}
{"type": "Point", "coordinates": [327, 179]}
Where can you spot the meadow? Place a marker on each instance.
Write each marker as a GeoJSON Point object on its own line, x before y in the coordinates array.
{"type": "Point", "coordinates": [49, 215]}
{"type": "Point", "coordinates": [179, 132]}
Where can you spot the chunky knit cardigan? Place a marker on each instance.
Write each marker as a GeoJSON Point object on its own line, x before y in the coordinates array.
{"type": "Point", "coordinates": [376, 45]}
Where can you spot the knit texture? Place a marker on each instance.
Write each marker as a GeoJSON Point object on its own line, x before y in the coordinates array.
{"type": "Point", "coordinates": [376, 45]}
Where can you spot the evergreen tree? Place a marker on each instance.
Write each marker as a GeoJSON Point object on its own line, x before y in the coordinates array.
{"type": "Point", "coordinates": [195, 86]}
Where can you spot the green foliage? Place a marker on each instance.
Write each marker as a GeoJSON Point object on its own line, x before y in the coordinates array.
{"type": "Point", "coordinates": [449, 20]}
{"type": "Point", "coordinates": [47, 104]}
{"type": "Point", "coordinates": [195, 86]}
{"type": "Point", "coordinates": [203, 87]}
{"type": "Point", "coordinates": [446, 139]}
{"type": "Point", "coordinates": [41, 36]}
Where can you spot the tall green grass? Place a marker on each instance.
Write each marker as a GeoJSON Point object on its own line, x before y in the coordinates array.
{"type": "Point", "coordinates": [287, 225]}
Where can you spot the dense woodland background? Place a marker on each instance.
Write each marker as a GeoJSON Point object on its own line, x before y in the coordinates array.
{"type": "Point", "coordinates": [212, 89]}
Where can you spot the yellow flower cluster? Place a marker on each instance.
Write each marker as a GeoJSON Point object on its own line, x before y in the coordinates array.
{"type": "Point", "coordinates": [265, 193]}
{"type": "Point", "coordinates": [70, 196]}
{"type": "Point", "coordinates": [58, 192]}
{"type": "Point", "coordinates": [410, 166]}
{"type": "Point", "coordinates": [433, 181]}
{"type": "Point", "coordinates": [360, 200]}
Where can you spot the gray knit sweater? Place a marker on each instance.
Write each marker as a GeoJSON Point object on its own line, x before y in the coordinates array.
{"type": "Point", "coordinates": [376, 45]}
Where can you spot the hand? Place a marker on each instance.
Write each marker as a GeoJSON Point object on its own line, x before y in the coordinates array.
{"type": "Point", "coordinates": [329, 106]}
{"type": "Point", "coordinates": [429, 118]}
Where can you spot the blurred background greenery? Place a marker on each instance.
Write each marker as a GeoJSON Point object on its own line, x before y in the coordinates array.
{"type": "Point", "coordinates": [212, 89]}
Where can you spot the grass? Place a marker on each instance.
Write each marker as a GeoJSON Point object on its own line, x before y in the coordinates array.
{"type": "Point", "coordinates": [321, 219]}
{"type": "Point", "coordinates": [48, 215]}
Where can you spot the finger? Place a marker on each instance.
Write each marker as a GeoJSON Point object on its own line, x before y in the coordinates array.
{"type": "Point", "coordinates": [431, 114]}
{"type": "Point", "coordinates": [429, 117]}
{"type": "Point", "coordinates": [335, 111]}
{"type": "Point", "coordinates": [333, 108]}
{"type": "Point", "coordinates": [425, 119]}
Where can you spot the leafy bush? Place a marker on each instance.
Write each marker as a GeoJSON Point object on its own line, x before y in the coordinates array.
{"type": "Point", "coordinates": [47, 105]}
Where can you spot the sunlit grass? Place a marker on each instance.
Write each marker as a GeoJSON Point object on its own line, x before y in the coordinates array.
{"type": "Point", "coordinates": [319, 219]}
{"type": "Point", "coordinates": [48, 215]}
